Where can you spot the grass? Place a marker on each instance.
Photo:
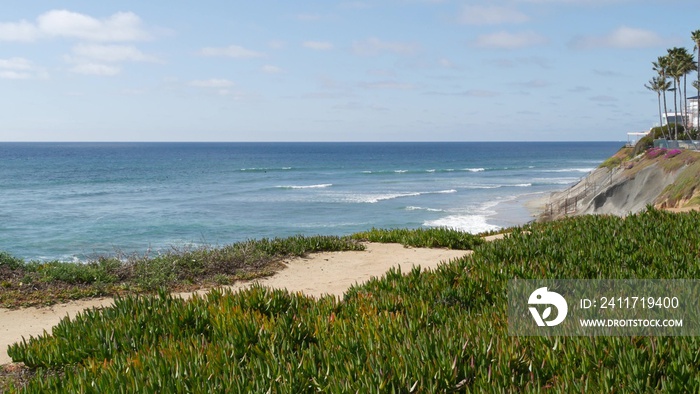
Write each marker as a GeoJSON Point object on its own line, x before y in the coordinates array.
{"type": "Point", "coordinates": [622, 155]}
{"type": "Point", "coordinates": [422, 331]}
{"type": "Point", "coordinates": [685, 185]}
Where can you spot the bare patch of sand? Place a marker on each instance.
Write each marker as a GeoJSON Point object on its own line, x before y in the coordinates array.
{"type": "Point", "coordinates": [687, 208]}
{"type": "Point", "coordinates": [315, 275]}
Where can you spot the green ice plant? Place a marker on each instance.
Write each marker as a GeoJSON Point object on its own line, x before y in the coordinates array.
{"type": "Point", "coordinates": [419, 331]}
{"type": "Point", "coordinates": [423, 237]}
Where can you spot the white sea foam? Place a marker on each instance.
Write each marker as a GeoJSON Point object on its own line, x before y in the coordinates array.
{"type": "Point", "coordinates": [375, 198]}
{"type": "Point", "coordinates": [474, 169]}
{"type": "Point", "coordinates": [482, 186]}
{"type": "Point", "coordinates": [320, 186]}
{"type": "Point", "coordinates": [469, 223]}
{"type": "Point", "coordinates": [264, 169]}
{"type": "Point", "coordinates": [412, 208]}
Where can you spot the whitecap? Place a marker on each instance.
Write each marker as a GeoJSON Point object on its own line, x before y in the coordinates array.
{"type": "Point", "coordinates": [375, 198]}
{"type": "Point", "coordinates": [320, 186]}
{"type": "Point", "coordinates": [442, 192]}
{"type": "Point", "coordinates": [468, 223]}
{"type": "Point", "coordinates": [412, 208]}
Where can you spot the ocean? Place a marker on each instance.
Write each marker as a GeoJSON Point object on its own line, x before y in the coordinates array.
{"type": "Point", "coordinates": [76, 201]}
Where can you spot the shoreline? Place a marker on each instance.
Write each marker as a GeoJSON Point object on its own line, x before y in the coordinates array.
{"type": "Point", "coordinates": [519, 210]}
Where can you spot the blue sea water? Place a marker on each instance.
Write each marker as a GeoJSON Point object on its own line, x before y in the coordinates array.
{"type": "Point", "coordinates": [72, 201]}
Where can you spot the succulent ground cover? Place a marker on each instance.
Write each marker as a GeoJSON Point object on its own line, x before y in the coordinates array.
{"type": "Point", "coordinates": [438, 331]}
{"type": "Point", "coordinates": [43, 283]}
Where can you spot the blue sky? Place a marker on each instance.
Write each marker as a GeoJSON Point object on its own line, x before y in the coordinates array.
{"type": "Point", "coordinates": [387, 70]}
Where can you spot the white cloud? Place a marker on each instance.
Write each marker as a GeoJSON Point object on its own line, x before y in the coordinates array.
{"type": "Point", "coordinates": [10, 74]}
{"type": "Point", "coordinates": [234, 51]}
{"type": "Point", "coordinates": [20, 68]}
{"type": "Point", "coordinates": [506, 40]}
{"type": "Point", "coordinates": [103, 60]}
{"type": "Point", "coordinates": [318, 45]}
{"type": "Point", "coordinates": [19, 31]}
{"type": "Point", "coordinates": [120, 27]}
{"type": "Point", "coordinates": [96, 69]}
{"type": "Point", "coordinates": [270, 69]}
{"type": "Point", "coordinates": [15, 63]}
{"type": "Point", "coordinates": [491, 15]}
{"type": "Point", "coordinates": [623, 38]}
{"type": "Point", "coordinates": [212, 83]}
{"type": "Point", "coordinates": [375, 46]}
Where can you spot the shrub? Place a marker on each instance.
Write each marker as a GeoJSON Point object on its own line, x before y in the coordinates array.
{"type": "Point", "coordinates": [10, 262]}
{"type": "Point", "coordinates": [653, 153]}
{"type": "Point", "coordinates": [672, 153]}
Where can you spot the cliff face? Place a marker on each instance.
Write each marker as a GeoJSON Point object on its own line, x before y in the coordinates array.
{"type": "Point", "coordinates": [633, 194]}
{"type": "Point", "coordinates": [629, 186]}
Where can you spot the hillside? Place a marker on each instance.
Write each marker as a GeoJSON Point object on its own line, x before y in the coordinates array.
{"type": "Point", "coordinates": [626, 183]}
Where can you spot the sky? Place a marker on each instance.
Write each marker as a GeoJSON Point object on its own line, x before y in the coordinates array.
{"type": "Point", "coordinates": [385, 70]}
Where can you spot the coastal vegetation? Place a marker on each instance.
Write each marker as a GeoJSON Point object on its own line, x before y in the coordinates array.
{"type": "Point", "coordinates": [44, 283]}
{"type": "Point", "coordinates": [422, 238]}
{"type": "Point", "coordinates": [419, 331]}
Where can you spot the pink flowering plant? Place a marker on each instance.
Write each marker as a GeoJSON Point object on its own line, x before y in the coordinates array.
{"type": "Point", "coordinates": [653, 153]}
{"type": "Point", "coordinates": [672, 153]}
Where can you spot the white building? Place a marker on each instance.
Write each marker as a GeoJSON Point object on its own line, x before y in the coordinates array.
{"type": "Point", "coordinates": [691, 116]}
{"type": "Point", "coordinates": [671, 117]}
{"type": "Point", "coordinates": [691, 108]}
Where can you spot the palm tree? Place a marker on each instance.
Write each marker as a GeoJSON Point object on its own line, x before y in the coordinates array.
{"type": "Point", "coordinates": [658, 85]}
{"type": "Point", "coordinates": [695, 36]}
{"type": "Point", "coordinates": [675, 70]}
{"type": "Point", "coordinates": [686, 65]}
{"type": "Point", "coordinates": [661, 66]}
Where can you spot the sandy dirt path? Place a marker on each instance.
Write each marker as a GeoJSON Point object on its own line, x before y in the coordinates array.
{"type": "Point", "coordinates": [315, 275]}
